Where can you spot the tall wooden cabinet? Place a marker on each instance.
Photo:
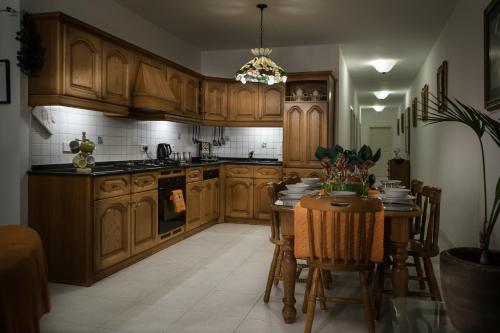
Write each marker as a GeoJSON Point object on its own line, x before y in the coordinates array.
{"type": "Point", "coordinates": [308, 120]}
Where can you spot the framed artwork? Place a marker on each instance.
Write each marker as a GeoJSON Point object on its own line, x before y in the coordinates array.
{"type": "Point", "coordinates": [402, 123]}
{"type": "Point", "coordinates": [397, 126]}
{"type": "Point", "coordinates": [4, 81]}
{"type": "Point", "coordinates": [425, 102]}
{"type": "Point", "coordinates": [414, 109]}
{"type": "Point", "coordinates": [492, 56]}
{"type": "Point", "coordinates": [442, 86]}
{"type": "Point", "coordinates": [407, 125]}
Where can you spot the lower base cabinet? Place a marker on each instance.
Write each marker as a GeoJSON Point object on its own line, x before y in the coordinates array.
{"type": "Point", "coordinates": [239, 197]}
{"type": "Point", "coordinates": [202, 201]}
{"type": "Point", "coordinates": [144, 220]}
{"type": "Point", "coordinates": [302, 173]}
{"type": "Point", "coordinates": [262, 199]}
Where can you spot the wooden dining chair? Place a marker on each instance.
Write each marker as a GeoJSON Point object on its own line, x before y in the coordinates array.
{"type": "Point", "coordinates": [274, 275]}
{"type": "Point", "coordinates": [416, 188]}
{"type": "Point", "coordinates": [337, 243]}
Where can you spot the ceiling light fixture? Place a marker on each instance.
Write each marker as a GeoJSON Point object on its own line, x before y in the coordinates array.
{"type": "Point", "coordinates": [383, 65]}
{"type": "Point", "coordinates": [378, 108]}
{"type": "Point", "coordinates": [381, 94]}
{"type": "Point", "coordinates": [261, 68]}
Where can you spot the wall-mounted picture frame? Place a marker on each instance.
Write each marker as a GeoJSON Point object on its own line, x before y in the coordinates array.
{"type": "Point", "coordinates": [425, 102]}
{"type": "Point", "coordinates": [397, 126]}
{"type": "Point", "coordinates": [407, 125]}
{"type": "Point", "coordinates": [402, 122]}
{"type": "Point", "coordinates": [4, 81]}
{"type": "Point", "coordinates": [442, 85]}
{"type": "Point", "coordinates": [492, 56]}
{"type": "Point", "coordinates": [414, 110]}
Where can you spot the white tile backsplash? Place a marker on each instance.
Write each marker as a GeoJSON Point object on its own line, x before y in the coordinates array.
{"type": "Point", "coordinates": [122, 137]}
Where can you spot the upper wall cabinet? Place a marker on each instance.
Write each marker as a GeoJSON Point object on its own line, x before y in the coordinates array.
{"type": "Point", "coordinates": [271, 102]}
{"type": "Point", "coordinates": [214, 99]}
{"type": "Point", "coordinates": [244, 102]}
{"type": "Point", "coordinates": [191, 93]}
{"type": "Point", "coordinates": [175, 84]}
{"type": "Point", "coordinates": [82, 54]}
{"type": "Point", "coordinates": [117, 66]}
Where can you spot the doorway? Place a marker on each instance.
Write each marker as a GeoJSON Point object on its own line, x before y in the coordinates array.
{"type": "Point", "coordinates": [381, 137]}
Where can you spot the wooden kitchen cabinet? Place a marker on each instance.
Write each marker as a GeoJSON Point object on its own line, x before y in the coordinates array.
{"type": "Point", "coordinates": [239, 170]}
{"type": "Point", "coordinates": [191, 95]}
{"type": "Point", "coordinates": [144, 220]}
{"type": "Point", "coordinates": [262, 199]}
{"type": "Point", "coordinates": [244, 102]}
{"type": "Point", "coordinates": [210, 200]}
{"type": "Point", "coordinates": [175, 83]}
{"type": "Point", "coordinates": [239, 197]}
{"type": "Point", "coordinates": [111, 232]}
{"type": "Point", "coordinates": [141, 182]}
{"type": "Point", "coordinates": [302, 173]}
{"type": "Point", "coordinates": [82, 65]}
{"type": "Point", "coordinates": [117, 68]}
{"type": "Point", "coordinates": [111, 186]}
{"type": "Point", "coordinates": [194, 214]}
{"type": "Point", "coordinates": [271, 102]}
{"type": "Point", "coordinates": [215, 95]}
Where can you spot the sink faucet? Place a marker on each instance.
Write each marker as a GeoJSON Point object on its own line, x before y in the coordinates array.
{"type": "Point", "coordinates": [250, 155]}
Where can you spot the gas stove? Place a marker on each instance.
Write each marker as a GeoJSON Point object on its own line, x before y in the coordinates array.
{"type": "Point", "coordinates": [131, 166]}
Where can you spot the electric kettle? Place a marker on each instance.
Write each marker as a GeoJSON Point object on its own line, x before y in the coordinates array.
{"type": "Point", "coordinates": [163, 151]}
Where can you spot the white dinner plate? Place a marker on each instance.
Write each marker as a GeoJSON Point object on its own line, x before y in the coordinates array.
{"type": "Point", "coordinates": [342, 193]}
{"type": "Point", "coordinates": [290, 196]}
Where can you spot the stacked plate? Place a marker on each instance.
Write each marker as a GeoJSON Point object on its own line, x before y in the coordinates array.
{"type": "Point", "coordinates": [295, 191]}
{"type": "Point", "coordinates": [397, 199]}
{"type": "Point", "coordinates": [314, 183]}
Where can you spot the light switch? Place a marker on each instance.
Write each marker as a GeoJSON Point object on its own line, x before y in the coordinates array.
{"type": "Point", "coordinates": [65, 147]}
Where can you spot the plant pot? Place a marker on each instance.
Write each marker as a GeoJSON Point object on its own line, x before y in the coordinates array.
{"type": "Point", "coordinates": [471, 291]}
{"type": "Point", "coordinates": [352, 187]}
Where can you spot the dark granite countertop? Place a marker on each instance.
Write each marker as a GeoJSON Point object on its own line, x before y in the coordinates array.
{"type": "Point", "coordinates": [120, 167]}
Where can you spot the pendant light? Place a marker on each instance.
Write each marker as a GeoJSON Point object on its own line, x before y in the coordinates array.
{"type": "Point", "coordinates": [261, 68]}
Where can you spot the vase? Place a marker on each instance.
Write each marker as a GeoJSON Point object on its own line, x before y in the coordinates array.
{"type": "Point", "coordinates": [348, 186]}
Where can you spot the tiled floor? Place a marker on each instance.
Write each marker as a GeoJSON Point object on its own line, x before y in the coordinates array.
{"type": "Point", "coordinates": [211, 282]}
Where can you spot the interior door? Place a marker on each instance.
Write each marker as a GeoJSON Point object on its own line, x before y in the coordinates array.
{"type": "Point", "coordinates": [381, 137]}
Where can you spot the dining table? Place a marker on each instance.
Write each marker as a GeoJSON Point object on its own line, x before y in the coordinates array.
{"type": "Point", "coordinates": [397, 221]}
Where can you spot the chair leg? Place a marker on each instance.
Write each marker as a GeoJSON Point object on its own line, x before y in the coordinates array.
{"type": "Point", "coordinates": [420, 272]}
{"type": "Point", "coordinates": [327, 278]}
{"type": "Point", "coordinates": [313, 294]}
{"type": "Point", "coordinates": [321, 290]}
{"type": "Point", "coordinates": [367, 302]}
{"type": "Point", "coordinates": [308, 289]}
{"type": "Point", "coordinates": [378, 288]}
{"type": "Point", "coordinates": [431, 280]}
{"type": "Point", "coordinates": [272, 273]}
{"type": "Point", "coordinates": [278, 267]}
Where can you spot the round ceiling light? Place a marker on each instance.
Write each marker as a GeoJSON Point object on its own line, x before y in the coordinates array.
{"type": "Point", "coordinates": [381, 94]}
{"type": "Point", "coordinates": [378, 108]}
{"type": "Point", "coordinates": [383, 65]}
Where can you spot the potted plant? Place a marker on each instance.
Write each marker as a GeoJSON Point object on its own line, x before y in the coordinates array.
{"type": "Point", "coordinates": [470, 277]}
{"type": "Point", "coordinates": [347, 170]}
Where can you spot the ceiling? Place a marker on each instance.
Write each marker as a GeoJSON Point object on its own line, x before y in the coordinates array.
{"type": "Point", "coordinates": [366, 29]}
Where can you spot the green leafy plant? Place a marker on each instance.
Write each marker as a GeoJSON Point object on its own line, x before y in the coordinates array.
{"type": "Point", "coordinates": [31, 55]}
{"type": "Point", "coordinates": [480, 123]}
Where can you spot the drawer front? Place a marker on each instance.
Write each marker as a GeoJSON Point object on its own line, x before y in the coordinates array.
{"type": "Point", "coordinates": [144, 182]}
{"type": "Point", "coordinates": [194, 175]}
{"type": "Point", "coordinates": [239, 171]}
{"type": "Point", "coordinates": [111, 186]}
{"type": "Point", "coordinates": [267, 172]}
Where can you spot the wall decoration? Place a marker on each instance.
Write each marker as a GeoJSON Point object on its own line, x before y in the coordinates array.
{"type": "Point", "coordinates": [442, 85]}
{"type": "Point", "coordinates": [425, 102]}
{"type": "Point", "coordinates": [397, 126]}
{"type": "Point", "coordinates": [407, 125]}
{"type": "Point", "coordinates": [4, 81]}
{"type": "Point", "coordinates": [414, 107]}
{"type": "Point", "coordinates": [492, 56]}
{"type": "Point", "coordinates": [402, 122]}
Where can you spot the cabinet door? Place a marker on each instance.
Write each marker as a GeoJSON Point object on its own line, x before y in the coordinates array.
{"type": "Point", "coordinates": [262, 199]}
{"type": "Point", "coordinates": [214, 100]}
{"type": "Point", "coordinates": [239, 197]}
{"type": "Point", "coordinates": [293, 136]}
{"type": "Point", "coordinates": [82, 73]}
{"type": "Point", "coordinates": [144, 220]}
{"type": "Point", "coordinates": [210, 200]}
{"type": "Point", "coordinates": [175, 83]}
{"type": "Point", "coordinates": [315, 134]}
{"type": "Point", "coordinates": [111, 231]}
{"type": "Point", "coordinates": [191, 96]}
{"type": "Point", "coordinates": [244, 102]}
{"type": "Point", "coordinates": [271, 102]}
{"type": "Point", "coordinates": [116, 70]}
{"type": "Point", "coordinates": [193, 202]}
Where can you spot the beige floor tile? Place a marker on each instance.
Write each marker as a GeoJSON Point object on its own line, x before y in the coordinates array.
{"type": "Point", "coordinates": [144, 319]}
{"type": "Point", "coordinates": [50, 326]}
{"type": "Point", "coordinates": [240, 283]}
{"type": "Point", "coordinates": [204, 322]}
{"type": "Point", "coordinates": [227, 303]}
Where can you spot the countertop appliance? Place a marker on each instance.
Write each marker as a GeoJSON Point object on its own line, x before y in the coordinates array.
{"type": "Point", "coordinates": [168, 219]}
{"type": "Point", "coordinates": [163, 151]}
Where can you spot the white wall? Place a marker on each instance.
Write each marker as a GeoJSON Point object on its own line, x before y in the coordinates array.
{"type": "Point", "coordinates": [448, 155]}
{"type": "Point", "coordinates": [346, 99]}
{"type": "Point", "coordinates": [119, 21]}
{"type": "Point", "coordinates": [14, 127]}
{"type": "Point", "coordinates": [386, 118]}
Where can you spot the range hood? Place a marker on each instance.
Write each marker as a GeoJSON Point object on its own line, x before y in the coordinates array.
{"type": "Point", "coordinates": [151, 92]}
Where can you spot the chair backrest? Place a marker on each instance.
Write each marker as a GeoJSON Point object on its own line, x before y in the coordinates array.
{"type": "Point", "coordinates": [431, 211]}
{"type": "Point", "coordinates": [274, 188]}
{"type": "Point", "coordinates": [341, 230]}
{"type": "Point", "coordinates": [416, 188]}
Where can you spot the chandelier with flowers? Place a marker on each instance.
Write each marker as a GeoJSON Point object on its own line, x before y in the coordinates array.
{"type": "Point", "coordinates": [261, 68]}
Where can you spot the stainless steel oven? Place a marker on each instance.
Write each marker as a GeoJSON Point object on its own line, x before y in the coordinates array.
{"type": "Point", "coordinates": [168, 219]}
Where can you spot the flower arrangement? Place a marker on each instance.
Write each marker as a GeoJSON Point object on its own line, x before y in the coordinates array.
{"type": "Point", "coordinates": [342, 166]}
